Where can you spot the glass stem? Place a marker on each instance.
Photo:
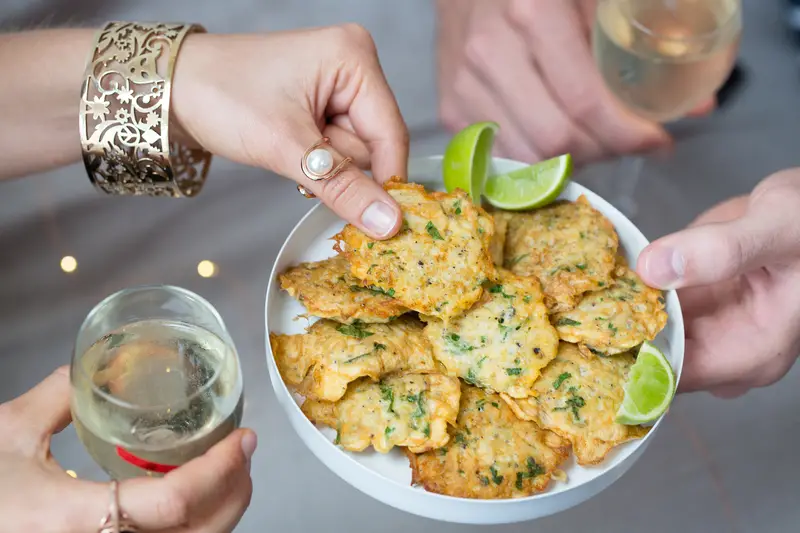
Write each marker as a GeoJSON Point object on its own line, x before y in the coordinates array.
{"type": "Point", "coordinates": [627, 180]}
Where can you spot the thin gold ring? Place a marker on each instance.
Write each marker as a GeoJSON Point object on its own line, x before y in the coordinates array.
{"type": "Point", "coordinates": [317, 164]}
{"type": "Point", "coordinates": [116, 521]}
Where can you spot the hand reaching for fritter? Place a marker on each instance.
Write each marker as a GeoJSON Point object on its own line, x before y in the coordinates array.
{"type": "Point", "coordinates": [738, 270]}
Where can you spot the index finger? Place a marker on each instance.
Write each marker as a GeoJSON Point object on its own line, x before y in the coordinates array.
{"type": "Point", "coordinates": [375, 115]}
{"type": "Point", "coordinates": [556, 40]}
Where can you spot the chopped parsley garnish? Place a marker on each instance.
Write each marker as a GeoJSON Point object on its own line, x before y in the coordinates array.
{"type": "Point", "coordinates": [405, 225]}
{"type": "Point", "coordinates": [373, 289]}
{"type": "Point", "coordinates": [612, 327]}
{"type": "Point", "coordinates": [370, 245]}
{"type": "Point", "coordinates": [484, 481]}
{"type": "Point", "coordinates": [379, 346]}
{"type": "Point", "coordinates": [513, 371]}
{"type": "Point", "coordinates": [356, 358]}
{"type": "Point", "coordinates": [354, 330]}
{"type": "Point", "coordinates": [338, 438]}
{"type": "Point", "coordinates": [574, 403]}
{"type": "Point", "coordinates": [457, 206]}
{"type": "Point", "coordinates": [517, 259]}
{"type": "Point", "coordinates": [561, 379]}
{"type": "Point", "coordinates": [661, 300]}
{"type": "Point", "coordinates": [456, 345]}
{"type": "Point", "coordinates": [534, 469]}
{"type": "Point", "coordinates": [527, 299]}
{"type": "Point", "coordinates": [482, 360]}
{"type": "Point", "coordinates": [498, 289]}
{"type": "Point", "coordinates": [460, 439]}
{"type": "Point", "coordinates": [495, 477]}
{"type": "Point", "coordinates": [581, 266]}
{"type": "Point", "coordinates": [483, 339]}
{"type": "Point", "coordinates": [471, 378]}
{"type": "Point", "coordinates": [387, 394]}
{"type": "Point", "coordinates": [433, 232]}
{"type": "Point", "coordinates": [601, 283]}
{"type": "Point", "coordinates": [387, 252]}
{"type": "Point", "coordinates": [480, 404]}
{"type": "Point", "coordinates": [567, 322]}
{"type": "Point", "coordinates": [388, 431]}
{"type": "Point", "coordinates": [497, 405]}
{"type": "Point", "coordinates": [418, 399]}
{"type": "Point", "coordinates": [427, 429]}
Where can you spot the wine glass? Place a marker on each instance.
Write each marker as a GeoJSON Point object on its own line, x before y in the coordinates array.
{"type": "Point", "coordinates": [662, 59]}
{"type": "Point", "coordinates": [155, 380]}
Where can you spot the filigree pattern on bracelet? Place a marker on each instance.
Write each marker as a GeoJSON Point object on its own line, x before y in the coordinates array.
{"type": "Point", "coordinates": [124, 118]}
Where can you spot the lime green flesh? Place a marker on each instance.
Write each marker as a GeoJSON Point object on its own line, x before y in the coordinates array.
{"type": "Point", "coordinates": [649, 389]}
{"type": "Point", "coordinates": [529, 187]}
{"type": "Point", "coordinates": [466, 159]}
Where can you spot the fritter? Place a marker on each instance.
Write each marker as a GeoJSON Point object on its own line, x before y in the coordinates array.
{"type": "Point", "coordinates": [502, 342]}
{"type": "Point", "coordinates": [437, 264]}
{"type": "Point", "coordinates": [328, 290]}
{"type": "Point", "coordinates": [578, 398]}
{"type": "Point", "coordinates": [498, 243]}
{"type": "Point", "coordinates": [319, 364]}
{"type": "Point", "coordinates": [491, 454]}
{"type": "Point", "coordinates": [616, 319]}
{"type": "Point", "coordinates": [410, 410]}
{"type": "Point", "coordinates": [569, 246]}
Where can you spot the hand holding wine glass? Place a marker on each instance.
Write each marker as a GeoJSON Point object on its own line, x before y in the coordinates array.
{"type": "Point", "coordinates": [210, 493]}
{"type": "Point", "coordinates": [662, 59]}
{"type": "Point", "coordinates": [527, 65]}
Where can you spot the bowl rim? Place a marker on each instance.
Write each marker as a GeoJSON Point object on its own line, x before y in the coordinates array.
{"type": "Point", "coordinates": [624, 463]}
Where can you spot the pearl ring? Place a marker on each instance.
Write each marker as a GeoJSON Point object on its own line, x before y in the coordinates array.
{"type": "Point", "coordinates": [317, 164]}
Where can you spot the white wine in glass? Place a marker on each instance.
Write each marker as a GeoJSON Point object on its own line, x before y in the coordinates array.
{"type": "Point", "coordinates": [156, 381]}
{"type": "Point", "coordinates": [663, 58]}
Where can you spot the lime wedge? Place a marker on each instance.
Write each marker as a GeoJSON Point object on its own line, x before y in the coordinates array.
{"type": "Point", "coordinates": [466, 159]}
{"type": "Point", "coordinates": [529, 187]}
{"type": "Point", "coordinates": [649, 389]}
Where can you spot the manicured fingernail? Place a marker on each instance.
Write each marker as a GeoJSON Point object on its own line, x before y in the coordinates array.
{"type": "Point", "coordinates": [379, 218]}
{"type": "Point", "coordinates": [664, 268]}
{"type": "Point", "coordinates": [249, 443]}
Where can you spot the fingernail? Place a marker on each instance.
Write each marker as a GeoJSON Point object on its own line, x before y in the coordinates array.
{"type": "Point", "coordinates": [249, 443]}
{"type": "Point", "coordinates": [664, 268]}
{"type": "Point", "coordinates": [379, 218]}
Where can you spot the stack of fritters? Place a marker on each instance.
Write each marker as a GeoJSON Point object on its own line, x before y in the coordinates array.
{"type": "Point", "coordinates": [485, 345]}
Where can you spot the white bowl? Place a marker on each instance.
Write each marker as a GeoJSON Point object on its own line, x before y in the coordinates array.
{"type": "Point", "coordinates": [388, 477]}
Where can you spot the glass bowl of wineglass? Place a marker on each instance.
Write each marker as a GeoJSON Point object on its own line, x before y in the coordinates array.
{"type": "Point", "coordinates": [156, 381]}
{"type": "Point", "coordinates": [662, 59]}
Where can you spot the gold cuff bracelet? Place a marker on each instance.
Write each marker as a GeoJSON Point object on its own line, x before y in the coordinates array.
{"type": "Point", "coordinates": [124, 115]}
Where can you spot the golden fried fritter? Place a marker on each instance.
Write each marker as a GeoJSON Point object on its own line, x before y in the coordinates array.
{"type": "Point", "coordinates": [492, 454]}
{"type": "Point", "coordinates": [437, 263]}
{"type": "Point", "coordinates": [498, 242]}
{"type": "Point", "coordinates": [578, 398]}
{"type": "Point", "coordinates": [502, 342]}
{"type": "Point", "coordinates": [569, 246]}
{"type": "Point", "coordinates": [320, 363]}
{"type": "Point", "coordinates": [328, 290]}
{"type": "Point", "coordinates": [615, 319]}
{"type": "Point", "coordinates": [411, 410]}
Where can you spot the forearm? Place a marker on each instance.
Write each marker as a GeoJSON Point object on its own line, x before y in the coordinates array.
{"type": "Point", "coordinates": [40, 83]}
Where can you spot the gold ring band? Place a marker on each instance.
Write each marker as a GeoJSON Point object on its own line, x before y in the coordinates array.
{"type": "Point", "coordinates": [317, 164]}
{"type": "Point", "coordinates": [125, 113]}
{"type": "Point", "coordinates": [115, 520]}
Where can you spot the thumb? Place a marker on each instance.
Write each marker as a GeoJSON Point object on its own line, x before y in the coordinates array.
{"type": "Point", "coordinates": [351, 194]}
{"type": "Point", "coordinates": [193, 489]}
{"type": "Point", "coordinates": [714, 252]}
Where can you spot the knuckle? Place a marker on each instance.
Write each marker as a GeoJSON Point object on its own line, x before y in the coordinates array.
{"type": "Point", "coordinates": [584, 104]}
{"type": "Point", "coordinates": [355, 35]}
{"type": "Point", "coordinates": [478, 48]}
{"type": "Point", "coordinates": [557, 141]}
{"type": "Point", "coordinates": [522, 11]}
{"type": "Point", "coordinates": [341, 191]}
